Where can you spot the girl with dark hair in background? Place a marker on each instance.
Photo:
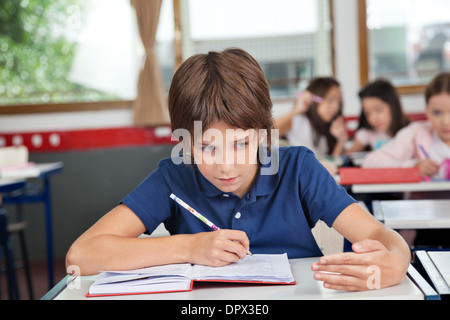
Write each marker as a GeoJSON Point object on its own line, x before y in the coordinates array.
{"type": "Point", "coordinates": [316, 120]}
{"type": "Point", "coordinates": [381, 116]}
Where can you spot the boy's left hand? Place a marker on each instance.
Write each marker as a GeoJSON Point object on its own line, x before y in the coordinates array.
{"type": "Point", "coordinates": [370, 266]}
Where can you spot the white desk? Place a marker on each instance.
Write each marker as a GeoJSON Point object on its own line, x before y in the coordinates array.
{"type": "Point", "coordinates": [8, 184]}
{"type": "Point", "coordinates": [306, 288]}
{"type": "Point", "coordinates": [437, 266]}
{"type": "Point", "coordinates": [401, 187]}
{"type": "Point", "coordinates": [413, 214]}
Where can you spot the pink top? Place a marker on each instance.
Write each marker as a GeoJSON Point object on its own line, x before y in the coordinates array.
{"type": "Point", "coordinates": [402, 150]}
{"type": "Point", "coordinates": [373, 138]}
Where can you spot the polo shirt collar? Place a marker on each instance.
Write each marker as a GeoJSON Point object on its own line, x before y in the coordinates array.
{"type": "Point", "coordinates": [268, 177]}
{"type": "Point", "coordinates": [206, 186]}
{"type": "Point", "coordinates": [265, 184]}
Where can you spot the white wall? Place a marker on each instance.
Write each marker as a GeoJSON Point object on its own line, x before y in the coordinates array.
{"type": "Point", "coordinates": [347, 69]}
{"type": "Point", "coordinates": [66, 120]}
{"type": "Point", "coordinates": [346, 52]}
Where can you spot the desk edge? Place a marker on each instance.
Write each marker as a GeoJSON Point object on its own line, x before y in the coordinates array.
{"type": "Point", "coordinates": [58, 288]}
{"type": "Point", "coordinates": [432, 271]}
{"type": "Point", "coordinates": [377, 210]}
{"type": "Point", "coordinates": [422, 284]}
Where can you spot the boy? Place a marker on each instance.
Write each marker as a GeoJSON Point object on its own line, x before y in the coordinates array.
{"type": "Point", "coordinates": [265, 211]}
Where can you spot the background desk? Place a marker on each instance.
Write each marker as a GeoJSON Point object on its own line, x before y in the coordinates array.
{"type": "Point", "coordinates": [7, 185]}
{"type": "Point", "coordinates": [401, 187]}
{"type": "Point", "coordinates": [437, 266]}
{"type": "Point", "coordinates": [306, 288]}
{"type": "Point", "coordinates": [6, 254]}
{"type": "Point", "coordinates": [44, 172]}
{"type": "Point", "coordinates": [413, 214]}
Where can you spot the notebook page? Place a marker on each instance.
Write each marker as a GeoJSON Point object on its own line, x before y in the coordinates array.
{"type": "Point", "coordinates": [171, 277]}
{"type": "Point", "coordinates": [164, 283]}
{"type": "Point", "coordinates": [257, 267]}
{"type": "Point", "coordinates": [182, 269]}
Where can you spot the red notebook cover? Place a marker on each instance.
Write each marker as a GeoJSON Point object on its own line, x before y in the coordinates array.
{"type": "Point", "coordinates": [192, 287]}
{"type": "Point", "coordinates": [254, 269]}
{"type": "Point", "coordinates": [352, 175]}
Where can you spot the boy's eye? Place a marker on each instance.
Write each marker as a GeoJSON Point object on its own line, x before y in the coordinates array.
{"type": "Point", "coordinates": [208, 148]}
{"type": "Point", "coordinates": [241, 145]}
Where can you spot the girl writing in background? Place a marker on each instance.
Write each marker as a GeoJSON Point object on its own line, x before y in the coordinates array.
{"type": "Point", "coordinates": [425, 144]}
{"type": "Point", "coordinates": [381, 116]}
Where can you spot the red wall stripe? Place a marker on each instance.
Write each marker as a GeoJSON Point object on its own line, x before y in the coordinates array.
{"type": "Point", "coordinates": [60, 140]}
{"type": "Point", "coordinates": [66, 140]}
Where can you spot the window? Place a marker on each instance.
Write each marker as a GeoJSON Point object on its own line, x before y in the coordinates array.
{"type": "Point", "coordinates": [407, 41]}
{"type": "Point", "coordinates": [68, 51]}
{"type": "Point", "coordinates": [89, 52]}
{"type": "Point", "coordinates": [291, 39]}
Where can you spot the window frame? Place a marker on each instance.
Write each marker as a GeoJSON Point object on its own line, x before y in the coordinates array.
{"type": "Point", "coordinates": [65, 107]}
{"type": "Point", "coordinates": [128, 104]}
{"type": "Point", "coordinates": [364, 67]}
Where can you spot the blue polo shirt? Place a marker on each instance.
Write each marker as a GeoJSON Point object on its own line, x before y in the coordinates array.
{"type": "Point", "coordinates": [277, 214]}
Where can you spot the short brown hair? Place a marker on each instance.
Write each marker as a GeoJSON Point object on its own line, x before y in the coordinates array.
{"type": "Point", "coordinates": [227, 86]}
{"type": "Point", "coordinates": [439, 84]}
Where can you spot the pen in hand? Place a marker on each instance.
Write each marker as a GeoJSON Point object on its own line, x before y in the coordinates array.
{"type": "Point", "coordinates": [197, 214]}
{"type": "Point", "coordinates": [424, 151]}
{"type": "Point", "coordinates": [426, 176]}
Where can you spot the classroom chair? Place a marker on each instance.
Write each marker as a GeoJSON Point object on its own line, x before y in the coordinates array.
{"type": "Point", "coordinates": [10, 156]}
{"type": "Point", "coordinates": [8, 257]}
{"type": "Point", "coordinates": [18, 228]}
{"type": "Point", "coordinates": [6, 231]}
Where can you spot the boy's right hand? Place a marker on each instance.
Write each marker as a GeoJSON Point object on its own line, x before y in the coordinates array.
{"type": "Point", "coordinates": [218, 248]}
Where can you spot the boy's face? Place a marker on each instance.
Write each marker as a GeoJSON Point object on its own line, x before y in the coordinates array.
{"type": "Point", "coordinates": [438, 112]}
{"type": "Point", "coordinates": [227, 157]}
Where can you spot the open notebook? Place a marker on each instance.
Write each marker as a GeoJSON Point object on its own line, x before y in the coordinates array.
{"type": "Point", "coordinates": [257, 268]}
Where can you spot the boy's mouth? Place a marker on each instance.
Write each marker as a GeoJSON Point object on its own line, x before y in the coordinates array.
{"type": "Point", "coordinates": [227, 180]}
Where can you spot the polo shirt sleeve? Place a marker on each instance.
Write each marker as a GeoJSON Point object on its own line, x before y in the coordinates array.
{"type": "Point", "coordinates": [150, 200]}
{"type": "Point", "coordinates": [322, 198]}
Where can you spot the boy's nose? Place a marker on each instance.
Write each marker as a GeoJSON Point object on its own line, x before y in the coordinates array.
{"type": "Point", "coordinates": [225, 167]}
{"type": "Point", "coordinates": [226, 160]}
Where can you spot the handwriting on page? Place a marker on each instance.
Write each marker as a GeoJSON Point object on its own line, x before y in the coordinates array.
{"type": "Point", "coordinates": [249, 266]}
